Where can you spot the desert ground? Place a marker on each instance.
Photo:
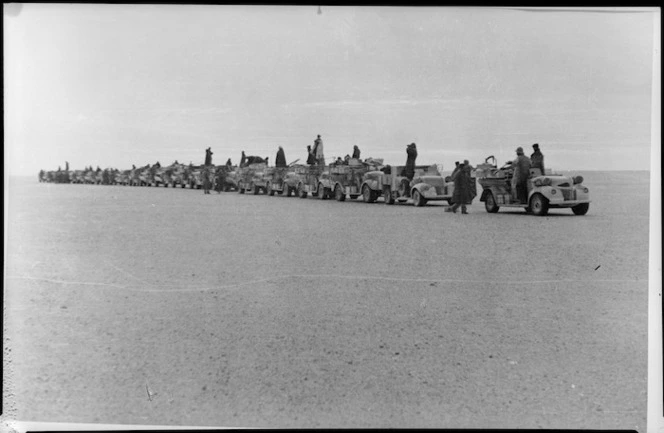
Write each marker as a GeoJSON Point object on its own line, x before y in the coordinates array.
{"type": "Point", "coordinates": [240, 310]}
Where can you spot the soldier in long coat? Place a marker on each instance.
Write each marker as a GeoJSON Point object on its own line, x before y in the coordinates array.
{"type": "Point", "coordinates": [208, 156]}
{"type": "Point", "coordinates": [311, 158]}
{"type": "Point", "coordinates": [280, 160]}
{"type": "Point", "coordinates": [411, 152]}
{"type": "Point", "coordinates": [356, 152]}
{"type": "Point", "coordinates": [520, 177]}
{"type": "Point", "coordinates": [462, 189]}
{"type": "Point", "coordinates": [318, 151]}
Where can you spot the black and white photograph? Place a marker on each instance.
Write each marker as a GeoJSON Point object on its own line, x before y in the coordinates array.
{"type": "Point", "coordinates": [292, 216]}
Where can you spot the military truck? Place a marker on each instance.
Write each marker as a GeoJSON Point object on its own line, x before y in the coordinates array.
{"type": "Point", "coordinates": [281, 180]}
{"type": "Point", "coordinates": [347, 179]}
{"type": "Point", "coordinates": [545, 191]}
{"type": "Point", "coordinates": [250, 178]}
{"type": "Point", "coordinates": [311, 181]}
{"type": "Point", "coordinates": [427, 184]}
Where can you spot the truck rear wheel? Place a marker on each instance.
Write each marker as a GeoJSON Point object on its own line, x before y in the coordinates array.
{"type": "Point", "coordinates": [581, 209]}
{"type": "Point", "coordinates": [539, 205]}
{"type": "Point", "coordinates": [269, 190]}
{"type": "Point", "coordinates": [387, 194]}
{"type": "Point", "coordinates": [240, 188]}
{"type": "Point", "coordinates": [256, 189]}
{"type": "Point", "coordinates": [339, 194]}
{"type": "Point", "coordinates": [301, 191]}
{"type": "Point", "coordinates": [418, 200]}
{"type": "Point", "coordinates": [490, 203]}
{"type": "Point", "coordinates": [287, 190]}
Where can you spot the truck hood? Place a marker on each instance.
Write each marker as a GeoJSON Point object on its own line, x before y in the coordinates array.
{"type": "Point", "coordinates": [430, 180]}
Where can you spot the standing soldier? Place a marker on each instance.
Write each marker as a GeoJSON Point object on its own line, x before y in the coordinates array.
{"type": "Point", "coordinates": [520, 177]}
{"type": "Point", "coordinates": [280, 160]}
{"type": "Point", "coordinates": [229, 163]}
{"type": "Point", "coordinates": [356, 152]}
{"type": "Point", "coordinates": [243, 159]}
{"type": "Point", "coordinates": [537, 158]}
{"type": "Point", "coordinates": [208, 156]}
{"type": "Point", "coordinates": [219, 178]}
{"type": "Point", "coordinates": [409, 170]}
{"type": "Point", "coordinates": [318, 151]}
{"type": "Point", "coordinates": [462, 192]}
{"type": "Point", "coordinates": [205, 173]}
{"type": "Point", "coordinates": [311, 158]}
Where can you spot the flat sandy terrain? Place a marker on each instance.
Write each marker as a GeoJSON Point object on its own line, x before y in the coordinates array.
{"type": "Point", "coordinates": [242, 310]}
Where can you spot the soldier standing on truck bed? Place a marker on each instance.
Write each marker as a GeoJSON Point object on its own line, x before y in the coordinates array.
{"type": "Point", "coordinates": [208, 156]}
{"type": "Point", "coordinates": [409, 170]}
{"type": "Point", "coordinates": [520, 177]}
{"type": "Point", "coordinates": [318, 151]}
{"type": "Point", "coordinates": [356, 152]}
{"type": "Point", "coordinates": [537, 158]}
{"type": "Point", "coordinates": [280, 160]}
{"type": "Point", "coordinates": [311, 158]}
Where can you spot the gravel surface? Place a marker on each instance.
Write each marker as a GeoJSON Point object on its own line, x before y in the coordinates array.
{"type": "Point", "coordinates": [242, 310]}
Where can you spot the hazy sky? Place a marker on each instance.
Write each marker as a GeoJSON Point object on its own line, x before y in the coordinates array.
{"type": "Point", "coordinates": [116, 85]}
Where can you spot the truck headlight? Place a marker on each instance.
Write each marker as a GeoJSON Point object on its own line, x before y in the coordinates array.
{"type": "Point", "coordinates": [546, 181]}
{"type": "Point", "coordinates": [578, 179]}
{"type": "Point", "coordinates": [585, 190]}
{"type": "Point", "coordinates": [553, 191]}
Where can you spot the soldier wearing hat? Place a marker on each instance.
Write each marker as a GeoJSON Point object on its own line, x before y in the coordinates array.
{"type": "Point", "coordinates": [537, 158]}
{"type": "Point", "coordinates": [520, 177]}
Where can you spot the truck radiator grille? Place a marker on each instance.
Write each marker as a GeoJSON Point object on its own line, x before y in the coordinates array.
{"type": "Point", "coordinates": [569, 194]}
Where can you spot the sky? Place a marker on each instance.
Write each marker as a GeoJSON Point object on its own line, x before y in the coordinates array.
{"type": "Point", "coordinates": [116, 85]}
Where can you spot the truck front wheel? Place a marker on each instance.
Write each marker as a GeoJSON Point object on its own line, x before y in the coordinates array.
{"type": "Point", "coordinates": [581, 209]}
{"type": "Point", "coordinates": [339, 194]}
{"type": "Point", "coordinates": [368, 195]}
{"type": "Point", "coordinates": [418, 200]}
{"type": "Point", "coordinates": [322, 194]}
{"type": "Point", "coordinates": [539, 205]}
